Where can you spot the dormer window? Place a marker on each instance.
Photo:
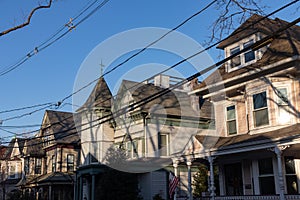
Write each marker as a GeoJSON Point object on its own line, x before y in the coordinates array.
{"type": "Point", "coordinates": [242, 59]}
{"type": "Point", "coordinates": [249, 55]}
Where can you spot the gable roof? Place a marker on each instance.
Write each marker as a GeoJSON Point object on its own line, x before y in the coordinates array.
{"type": "Point", "coordinates": [100, 97]}
{"type": "Point", "coordinates": [34, 147]}
{"type": "Point", "coordinates": [282, 47]}
{"type": "Point", "coordinates": [9, 149]}
{"type": "Point", "coordinates": [255, 23]}
{"type": "Point", "coordinates": [62, 126]}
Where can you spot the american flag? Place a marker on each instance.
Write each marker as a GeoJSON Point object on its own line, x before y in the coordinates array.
{"type": "Point", "coordinates": [173, 182]}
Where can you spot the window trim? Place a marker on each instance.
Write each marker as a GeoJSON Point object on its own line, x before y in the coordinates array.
{"type": "Point", "coordinates": [167, 145]}
{"type": "Point", "coordinates": [70, 164]}
{"type": "Point", "coordinates": [235, 119]}
{"type": "Point", "coordinates": [240, 44]}
{"type": "Point", "coordinates": [260, 109]}
{"type": "Point", "coordinates": [38, 167]}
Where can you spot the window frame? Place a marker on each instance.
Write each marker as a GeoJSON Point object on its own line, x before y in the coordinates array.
{"type": "Point", "coordinates": [241, 45]}
{"type": "Point", "coordinates": [231, 120]}
{"type": "Point", "coordinates": [262, 176]}
{"type": "Point", "coordinates": [53, 163]}
{"type": "Point", "coordinates": [283, 107]}
{"type": "Point", "coordinates": [164, 148]}
{"type": "Point", "coordinates": [38, 166]}
{"type": "Point", "coordinates": [70, 165]}
{"type": "Point", "coordinates": [255, 110]}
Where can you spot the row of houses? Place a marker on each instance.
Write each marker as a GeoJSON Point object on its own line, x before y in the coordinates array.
{"type": "Point", "coordinates": [241, 122]}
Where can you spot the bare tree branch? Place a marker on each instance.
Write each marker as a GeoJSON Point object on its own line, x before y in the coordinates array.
{"type": "Point", "coordinates": [28, 18]}
{"type": "Point", "coordinates": [232, 11]}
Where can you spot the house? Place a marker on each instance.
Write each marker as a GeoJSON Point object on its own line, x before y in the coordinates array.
{"type": "Point", "coordinates": [256, 103]}
{"type": "Point", "coordinates": [11, 166]}
{"type": "Point", "coordinates": [146, 130]}
{"type": "Point", "coordinates": [51, 157]}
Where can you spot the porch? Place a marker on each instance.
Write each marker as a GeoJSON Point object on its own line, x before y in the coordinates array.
{"type": "Point", "coordinates": [248, 197]}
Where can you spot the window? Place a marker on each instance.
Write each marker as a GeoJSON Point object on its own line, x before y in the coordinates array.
{"type": "Point", "coordinates": [38, 166]}
{"type": "Point", "coordinates": [243, 58]}
{"type": "Point", "coordinates": [290, 175]}
{"type": "Point", "coordinates": [53, 161]}
{"type": "Point", "coordinates": [132, 148]}
{"type": "Point", "coordinates": [70, 163]}
{"type": "Point", "coordinates": [26, 166]}
{"type": "Point", "coordinates": [266, 176]}
{"type": "Point", "coordinates": [260, 109]}
{"type": "Point", "coordinates": [231, 120]}
{"type": "Point", "coordinates": [12, 171]}
{"type": "Point", "coordinates": [249, 55]}
{"type": "Point", "coordinates": [236, 61]}
{"type": "Point", "coordinates": [163, 141]}
{"type": "Point", "coordinates": [283, 107]}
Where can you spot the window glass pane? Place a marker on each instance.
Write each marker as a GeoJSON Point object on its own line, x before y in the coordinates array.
{"type": "Point", "coordinates": [282, 96]}
{"type": "Point", "coordinates": [163, 142]}
{"type": "Point", "coordinates": [250, 54]}
{"type": "Point", "coordinates": [231, 127]}
{"type": "Point", "coordinates": [230, 112]}
{"type": "Point", "coordinates": [260, 100]}
{"type": "Point", "coordinates": [265, 166]}
{"type": "Point", "coordinates": [261, 117]}
{"type": "Point", "coordinates": [290, 165]}
{"type": "Point", "coordinates": [291, 184]}
{"type": "Point", "coordinates": [236, 61]}
{"type": "Point", "coordinates": [267, 185]}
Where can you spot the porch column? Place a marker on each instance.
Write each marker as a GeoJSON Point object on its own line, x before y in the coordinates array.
{"type": "Point", "coordinates": [93, 187]}
{"type": "Point", "coordinates": [175, 166]}
{"type": "Point", "coordinates": [278, 152]}
{"type": "Point", "coordinates": [50, 192]}
{"type": "Point", "coordinates": [189, 163]}
{"type": "Point", "coordinates": [212, 178]}
{"type": "Point", "coordinates": [80, 188]}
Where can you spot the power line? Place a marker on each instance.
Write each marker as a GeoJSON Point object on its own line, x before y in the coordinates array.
{"type": "Point", "coordinates": [184, 60]}
{"type": "Point", "coordinates": [48, 42]}
{"type": "Point", "coordinates": [144, 101]}
{"type": "Point", "coordinates": [128, 59]}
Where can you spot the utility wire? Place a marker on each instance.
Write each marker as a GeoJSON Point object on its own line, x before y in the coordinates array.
{"type": "Point", "coordinates": [184, 60]}
{"type": "Point", "coordinates": [128, 59]}
{"type": "Point", "coordinates": [237, 32]}
{"type": "Point", "coordinates": [70, 26]}
{"type": "Point", "coordinates": [263, 42]}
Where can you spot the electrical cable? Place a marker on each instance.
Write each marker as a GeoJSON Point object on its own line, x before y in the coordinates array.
{"type": "Point", "coordinates": [144, 101]}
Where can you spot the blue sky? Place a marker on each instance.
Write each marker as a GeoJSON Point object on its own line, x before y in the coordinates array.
{"type": "Point", "coordinates": [49, 76]}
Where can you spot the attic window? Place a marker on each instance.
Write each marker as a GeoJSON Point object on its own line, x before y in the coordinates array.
{"type": "Point", "coordinates": [242, 59]}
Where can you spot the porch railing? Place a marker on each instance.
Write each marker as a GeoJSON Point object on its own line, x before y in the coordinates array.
{"type": "Point", "coordinates": [251, 197]}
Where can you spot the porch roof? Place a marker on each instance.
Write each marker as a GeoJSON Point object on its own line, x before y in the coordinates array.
{"type": "Point", "coordinates": [282, 135]}
{"type": "Point", "coordinates": [51, 178]}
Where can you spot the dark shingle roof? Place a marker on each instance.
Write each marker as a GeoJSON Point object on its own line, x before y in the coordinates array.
{"type": "Point", "coordinates": [100, 97]}
{"type": "Point", "coordinates": [176, 103]}
{"type": "Point", "coordinates": [63, 126]}
{"type": "Point", "coordinates": [34, 147]}
{"type": "Point", "coordinates": [54, 177]}
{"type": "Point", "coordinates": [10, 147]}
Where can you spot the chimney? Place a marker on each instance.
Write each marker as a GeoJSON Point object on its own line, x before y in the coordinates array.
{"type": "Point", "coordinates": [162, 81]}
